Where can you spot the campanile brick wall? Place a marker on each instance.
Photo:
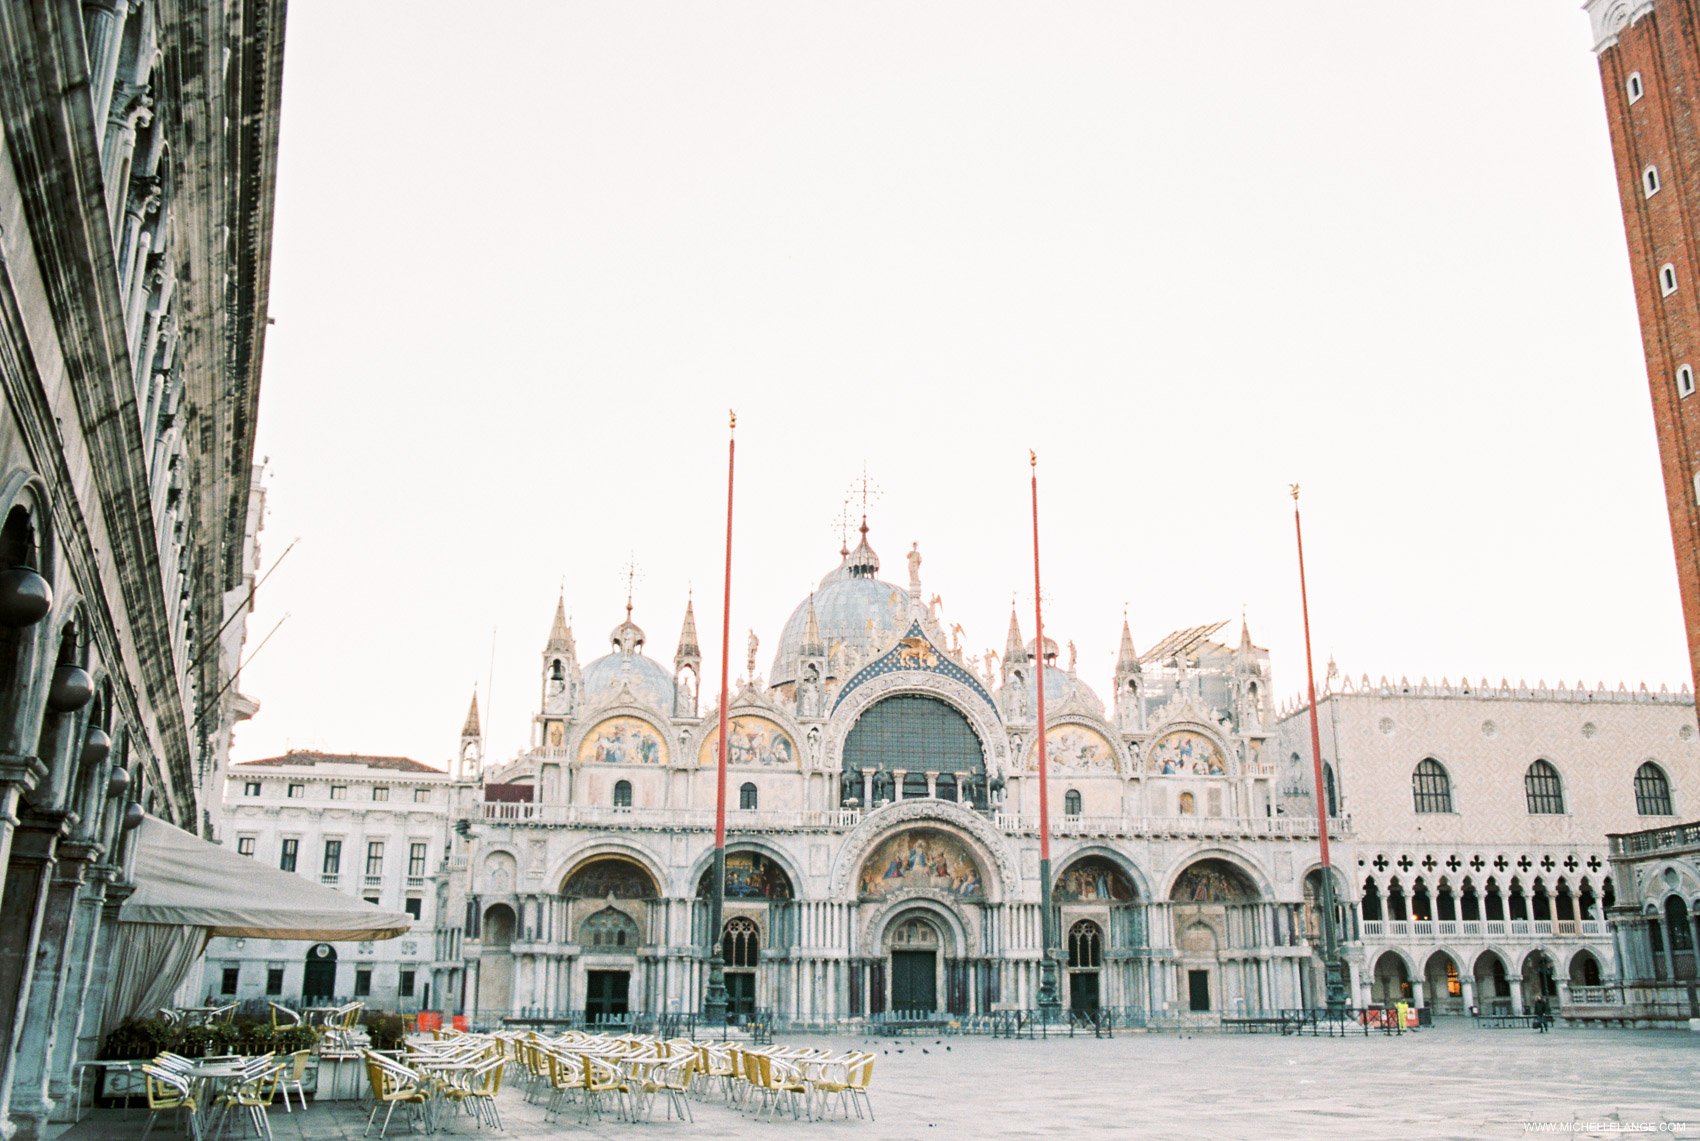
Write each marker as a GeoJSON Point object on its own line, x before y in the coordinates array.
{"type": "Point", "coordinates": [1661, 43]}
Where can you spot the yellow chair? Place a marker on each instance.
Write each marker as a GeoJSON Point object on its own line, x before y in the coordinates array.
{"type": "Point", "coordinates": [392, 1089]}
{"type": "Point", "coordinates": [256, 1096]}
{"type": "Point", "coordinates": [602, 1078]}
{"type": "Point", "coordinates": [566, 1077]}
{"type": "Point", "coordinates": [169, 1092]}
{"type": "Point", "coordinates": [293, 1075]}
{"type": "Point", "coordinates": [479, 1092]}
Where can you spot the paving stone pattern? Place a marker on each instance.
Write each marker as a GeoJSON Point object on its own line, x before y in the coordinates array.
{"type": "Point", "coordinates": [1449, 1081]}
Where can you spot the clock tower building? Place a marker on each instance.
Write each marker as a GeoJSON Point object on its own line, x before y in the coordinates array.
{"type": "Point", "coordinates": [1649, 58]}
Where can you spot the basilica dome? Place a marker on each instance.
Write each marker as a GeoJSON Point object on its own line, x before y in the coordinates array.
{"type": "Point", "coordinates": [649, 681]}
{"type": "Point", "coordinates": [849, 605]}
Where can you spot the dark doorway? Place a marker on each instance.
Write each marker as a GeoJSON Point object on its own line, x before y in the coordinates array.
{"type": "Point", "coordinates": [1083, 992]}
{"type": "Point", "coordinates": [740, 995]}
{"type": "Point", "coordinates": [318, 980]}
{"type": "Point", "coordinates": [914, 980]}
{"type": "Point", "coordinates": [1198, 988]}
{"type": "Point", "coordinates": [605, 995]}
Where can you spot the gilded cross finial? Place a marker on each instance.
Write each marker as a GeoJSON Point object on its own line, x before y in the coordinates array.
{"type": "Point", "coordinates": [1294, 488]}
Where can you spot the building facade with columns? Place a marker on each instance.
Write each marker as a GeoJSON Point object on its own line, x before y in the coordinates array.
{"type": "Point", "coordinates": [136, 185]}
{"type": "Point", "coordinates": [883, 827]}
{"type": "Point", "coordinates": [1478, 858]}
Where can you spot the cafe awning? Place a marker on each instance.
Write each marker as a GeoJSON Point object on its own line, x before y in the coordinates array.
{"type": "Point", "coordinates": [182, 880]}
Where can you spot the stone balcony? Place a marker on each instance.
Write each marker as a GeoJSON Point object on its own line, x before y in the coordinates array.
{"type": "Point", "coordinates": [1440, 930]}
{"type": "Point", "coordinates": [1678, 839]}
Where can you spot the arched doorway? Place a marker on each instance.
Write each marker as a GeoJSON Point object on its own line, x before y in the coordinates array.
{"type": "Point", "coordinates": [496, 961]}
{"type": "Point", "coordinates": [1585, 970]}
{"type": "Point", "coordinates": [608, 913]}
{"type": "Point", "coordinates": [318, 975]}
{"type": "Point", "coordinates": [610, 939]}
{"type": "Point", "coordinates": [1443, 989]}
{"type": "Point", "coordinates": [913, 945]}
{"type": "Point", "coordinates": [760, 913]}
{"type": "Point", "coordinates": [740, 949]}
{"type": "Point", "coordinates": [1085, 964]}
{"type": "Point", "coordinates": [1214, 901]}
{"type": "Point", "coordinates": [1493, 984]}
{"type": "Point", "coordinates": [1540, 983]}
{"type": "Point", "coordinates": [1392, 979]}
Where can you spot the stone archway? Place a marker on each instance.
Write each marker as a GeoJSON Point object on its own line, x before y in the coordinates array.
{"type": "Point", "coordinates": [1210, 900]}
{"type": "Point", "coordinates": [496, 961]}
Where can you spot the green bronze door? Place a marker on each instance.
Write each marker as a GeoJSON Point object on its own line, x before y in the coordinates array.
{"type": "Point", "coordinates": [914, 980]}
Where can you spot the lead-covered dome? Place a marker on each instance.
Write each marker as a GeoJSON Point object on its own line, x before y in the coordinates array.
{"type": "Point", "coordinates": [649, 681]}
{"type": "Point", "coordinates": [852, 607]}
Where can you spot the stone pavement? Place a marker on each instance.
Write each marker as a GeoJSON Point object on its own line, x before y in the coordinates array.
{"type": "Point", "coordinates": [1449, 1081]}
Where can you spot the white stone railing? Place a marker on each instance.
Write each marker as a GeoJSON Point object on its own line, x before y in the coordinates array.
{"type": "Point", "coordinates": [1482, 928]}
{"type": "Point", "coordinates": [673, 818]}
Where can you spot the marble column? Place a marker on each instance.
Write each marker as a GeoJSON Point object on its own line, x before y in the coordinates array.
{"type": "Point", "coordinates": [31, 1105]}
{"type": "Point", "coordinates": [1468, 985]}
{"type": "Point", "coordinates": [1516, 994]}
{"type": "Point", "coordinates": [29, 875]}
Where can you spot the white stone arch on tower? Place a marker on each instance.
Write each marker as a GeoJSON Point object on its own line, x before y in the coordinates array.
{"type": "Point", "coordinates": [982, 718]}
{"type": "Point", "coordinates": [996, 859]}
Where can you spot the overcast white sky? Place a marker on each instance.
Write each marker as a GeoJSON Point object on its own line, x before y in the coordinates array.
{"type": "Point", "coordinates": [1190, 253]}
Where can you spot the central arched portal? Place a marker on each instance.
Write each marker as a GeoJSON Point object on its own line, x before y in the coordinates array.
{"type": "Point", "coordinates": [912, 945]}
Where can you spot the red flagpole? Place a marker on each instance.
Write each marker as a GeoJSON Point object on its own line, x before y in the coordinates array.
{"type": "Point", "coordinates": [714, 996]}
{"type": "Point", "coordinates": [1310, 682]}
{"type": "Point", "coordinates": [1039, 674]}
{"type": "Point", "coordinates": [1333, 963]}
{"type": "Point", "coordinates": [725, 644]}
{"type": "Point", "coordinates": [1049, 1000]}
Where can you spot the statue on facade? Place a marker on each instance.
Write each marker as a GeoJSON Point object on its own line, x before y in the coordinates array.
{"type": "Point", "coordinates": [750, 662]}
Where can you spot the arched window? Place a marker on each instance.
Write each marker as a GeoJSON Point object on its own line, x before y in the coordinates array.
{"type": "Point", "coordinates": [1188, 804]}
{"type": "Point", "coordinates": [1634, 87]}
{"type": "Point", "coordinates": [1650, 180]}
{"type": "Point", "coordinates": [623, 794]}
{"type": "Point", "coordinates": [1085, 945]}
{"type": "Point", "coordinates": [740, 946]}
{"type": "Point", "coordinates": [747, 796]}
{"type": "Point", "coordinates": [1329, 795]}
{"type": "Point", "coordinates": [1667, 279]}
{"type": "Point", "coordinates": [1071, 802]}
{"type": "Point", "coordinates": [1542, 789]}
{"type": "Point", "coordinates": [1431, 788]}
{"type": "Point", "coordinates": [1652, 791]}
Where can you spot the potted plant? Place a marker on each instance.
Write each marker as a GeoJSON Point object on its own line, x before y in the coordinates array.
{"type": "Point", "coordinates": [387, 1031]}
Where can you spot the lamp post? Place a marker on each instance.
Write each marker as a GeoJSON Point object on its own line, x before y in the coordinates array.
{"type": "Point", "coordinates": [1333, 961]}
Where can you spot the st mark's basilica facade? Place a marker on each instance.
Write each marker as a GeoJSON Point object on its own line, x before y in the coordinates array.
{"type": "Point", "coordinates": [883, 850]}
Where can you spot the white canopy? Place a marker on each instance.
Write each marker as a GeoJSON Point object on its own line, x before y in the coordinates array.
{"type": "Point", "coordinates": [181, 880]}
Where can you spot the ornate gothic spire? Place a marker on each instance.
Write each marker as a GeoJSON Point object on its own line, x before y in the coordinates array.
{"type": "Point", "coordinates": [813, 644]}
{"type": "Point", "coordinates": [561, 633]}
{"type": "Point", "coordinates": [470, 728]}
{"type": "Point", "coordinates": [1015, 648]}
{"type": "Point", "coordinates": [689, 651]}
{"type": "Point", "coordinates": [1126, 659]}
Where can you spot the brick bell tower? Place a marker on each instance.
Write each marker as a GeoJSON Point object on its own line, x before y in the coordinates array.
{"type": "Point", "coordinates": [1649, 54]}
